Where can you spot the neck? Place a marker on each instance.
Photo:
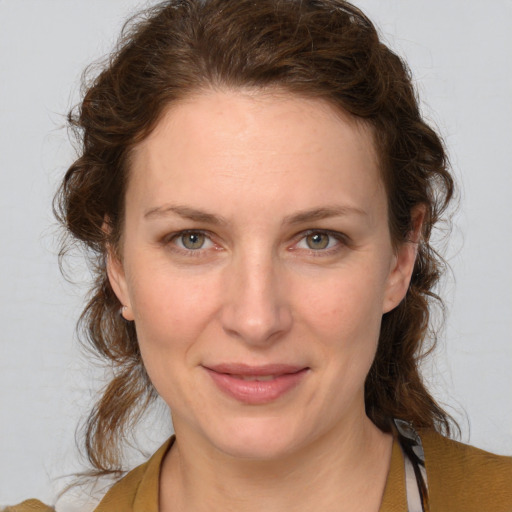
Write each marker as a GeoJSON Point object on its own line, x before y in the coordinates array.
{"type": "Point", "coordinates": [340, 471]}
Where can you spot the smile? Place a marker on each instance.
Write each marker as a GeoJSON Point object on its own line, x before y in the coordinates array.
{"type": "Point", "coordinates": [256, 385]}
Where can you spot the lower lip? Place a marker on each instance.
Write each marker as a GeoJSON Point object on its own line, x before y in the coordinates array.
{"type": "Point", "coordinates": [255, 392]}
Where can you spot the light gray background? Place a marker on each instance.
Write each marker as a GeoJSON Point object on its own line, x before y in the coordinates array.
{"type": "Point", "coordinates": [460, 53]}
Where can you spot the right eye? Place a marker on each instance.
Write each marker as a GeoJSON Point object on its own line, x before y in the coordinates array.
{"type": "Point", "coordinates": [192, 241]}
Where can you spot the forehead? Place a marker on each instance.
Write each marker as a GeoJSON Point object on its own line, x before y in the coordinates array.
{"type": "Point", "coordinates": [244, 108]}
{"type": "Point", "coordinates": [272, 144]}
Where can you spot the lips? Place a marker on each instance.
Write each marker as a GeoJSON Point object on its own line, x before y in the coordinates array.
{"type": "Point", "coordinates": [256, 385]}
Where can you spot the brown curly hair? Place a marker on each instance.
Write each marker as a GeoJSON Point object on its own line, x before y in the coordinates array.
{"type": "Point", "coordinates": [325, 49]}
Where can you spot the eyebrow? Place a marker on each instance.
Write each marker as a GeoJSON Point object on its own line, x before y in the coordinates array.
{"type": "Point", "coordinates": [185, 212]}
{"type": "Point", "coordinates": [301, 217]}
{"type": "Point", "coordinates": [323, 213]}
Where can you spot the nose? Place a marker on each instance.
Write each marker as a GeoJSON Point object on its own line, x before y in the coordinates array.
{"type": "Point", "coordinates": [255, 307]}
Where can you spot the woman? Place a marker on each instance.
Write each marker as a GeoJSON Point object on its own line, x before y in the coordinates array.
{"type": "Point", "coordinates": [258, 188]}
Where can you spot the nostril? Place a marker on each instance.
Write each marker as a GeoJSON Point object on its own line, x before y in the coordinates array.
{"type": "Point", "coordinates": [256, 326]}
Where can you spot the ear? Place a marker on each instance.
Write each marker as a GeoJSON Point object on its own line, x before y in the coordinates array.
{"type": "Point", "coordinates": [403, 262]}
{"type": "Point", "coordinates": [117, 278]}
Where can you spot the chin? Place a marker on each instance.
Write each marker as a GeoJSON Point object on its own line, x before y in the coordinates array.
{"type": "Point", "coordinates": [257, 438]}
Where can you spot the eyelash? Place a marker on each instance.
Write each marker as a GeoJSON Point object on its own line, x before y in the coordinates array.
{"type": "Point", "coordinates": [169, 239]}
{"type": "Point", "coordinates": [341, 239]}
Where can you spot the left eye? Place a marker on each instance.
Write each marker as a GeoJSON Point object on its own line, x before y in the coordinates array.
{"type": "Point", "coordinates": [318, 241]}
{"type": "Point", "coordinates": [193, 241]}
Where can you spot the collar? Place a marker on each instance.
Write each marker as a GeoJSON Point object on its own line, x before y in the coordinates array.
{"type": "Point", "coordinates": [138, 491]}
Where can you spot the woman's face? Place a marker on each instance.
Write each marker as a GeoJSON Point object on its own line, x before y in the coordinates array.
{"type": "Point", "coordinates": [257, 264]}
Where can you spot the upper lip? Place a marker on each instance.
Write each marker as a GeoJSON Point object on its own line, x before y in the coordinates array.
{"type": "Point", "coordinates": [254, 371]}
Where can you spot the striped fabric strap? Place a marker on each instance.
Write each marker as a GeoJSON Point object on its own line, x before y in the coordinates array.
{"type": "Point", "coordinates": [416, 485]}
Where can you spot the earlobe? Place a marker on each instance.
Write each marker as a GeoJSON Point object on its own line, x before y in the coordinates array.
{"type": "Point", "coordinates": [117, 279]}
{"type": "Point", "coordinates": [403, 262]}
{"type": "Point", "coordinates": [126, 313]}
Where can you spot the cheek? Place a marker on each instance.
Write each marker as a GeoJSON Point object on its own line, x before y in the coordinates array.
{"type": "Point", "coordinates": [172, 317]}
{"type": "Point", "coordinates": [345, 304]}
{"type": "Point", "coordinates": [344, 316]}
{"type": "Point", "coordinates": [171, 308]}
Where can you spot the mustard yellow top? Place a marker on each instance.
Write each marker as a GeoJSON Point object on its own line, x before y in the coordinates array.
{"type": "Point", "coordinates": [460, 478]}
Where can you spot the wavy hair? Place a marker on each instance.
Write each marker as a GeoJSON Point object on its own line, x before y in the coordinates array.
{"type": "Point", "coordinates": [326, 49]}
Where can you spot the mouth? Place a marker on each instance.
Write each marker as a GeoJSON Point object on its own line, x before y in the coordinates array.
{"type": "Point", "coordinates": [263, 378]}
{"type": "Point", "coordinates": [256, 385]}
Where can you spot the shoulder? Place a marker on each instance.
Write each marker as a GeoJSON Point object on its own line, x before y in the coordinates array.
{"type": "Point", "coordinates": [465, 478]}
{"type": "Point", "coordinates": [29, 506]}
{"type": "Point", "coordinates": [138, 490]}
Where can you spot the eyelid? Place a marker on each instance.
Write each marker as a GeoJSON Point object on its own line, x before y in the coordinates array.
{"type": "Point", "coordinates": [169, 239]}
{"type": "Point", "coordinates": [342, 239]}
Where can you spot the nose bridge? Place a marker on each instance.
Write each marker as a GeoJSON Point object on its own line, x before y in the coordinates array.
{"type": "Point", "coordinates": [255, 307]}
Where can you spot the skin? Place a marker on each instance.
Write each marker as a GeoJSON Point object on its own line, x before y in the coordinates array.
{"type": "Point", "coordinates": [296, 267]}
